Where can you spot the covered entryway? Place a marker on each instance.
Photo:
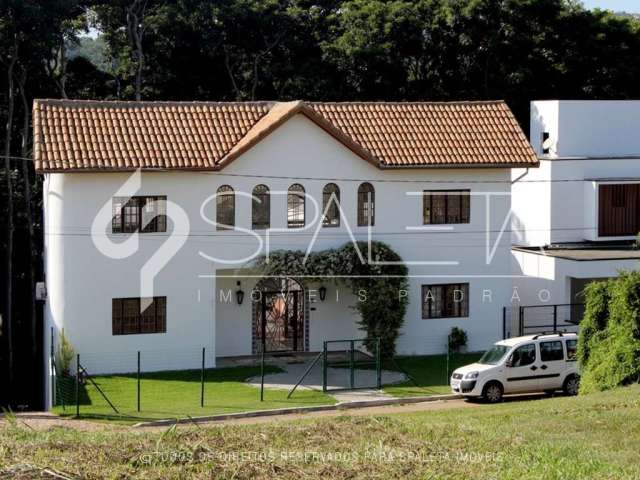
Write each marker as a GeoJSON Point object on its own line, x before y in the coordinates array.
{"type": "Point", "coordinates": [279, 316]}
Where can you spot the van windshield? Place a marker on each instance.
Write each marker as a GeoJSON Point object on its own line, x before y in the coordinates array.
{"type": "Point", "coordinates": [494, 355]}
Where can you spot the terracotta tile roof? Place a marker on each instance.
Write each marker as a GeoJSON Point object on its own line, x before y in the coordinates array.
{"type": "Point", "coordinates": [73, 135]}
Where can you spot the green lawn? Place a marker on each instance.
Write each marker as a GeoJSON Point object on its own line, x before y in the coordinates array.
{"type": "Point", "coordinates": [587, 437]}
{"type": "Point", "coordinates": [176, 394]}
{"type": "Point", "coordinates": [428, 372]}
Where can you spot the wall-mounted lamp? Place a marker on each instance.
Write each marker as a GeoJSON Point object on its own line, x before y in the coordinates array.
{"type": "Point", "coordinates": [239, 294]}
{"type": "Point", "coordinates": [323, 292]}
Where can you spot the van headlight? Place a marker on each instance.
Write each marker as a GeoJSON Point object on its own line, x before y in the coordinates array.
{"type": "Point", "coordinates": [472, 375]}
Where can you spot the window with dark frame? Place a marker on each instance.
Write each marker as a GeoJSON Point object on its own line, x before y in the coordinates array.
{"type": "Point", "coordinates": [139, 214]}
{"type": "Point", "coordinates": [572, 350]}
{"type": "Point", "coordinates": [225, 208]}
{"type": "Point", "coordinates": [551, 351]}
{"type": "Point", "coordinates": [127, 319]}
{"type": "Point", "coordinates": [295, 206]}
{"type": "Point", "coordinates": [261, 208]}
{"type": "Point", "coordinates": [445, 301]}
{"type": "Point", "coordinates": [366, 204]}
{"type": "Point", "coordinates": [331, 205]}
{"type": "Point", "coordinates": [523, 356]}
{"type": "Point", "coordinates": [443, 207]}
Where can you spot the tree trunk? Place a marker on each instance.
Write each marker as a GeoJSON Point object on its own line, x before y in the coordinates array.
{"type": "Point", "coordinates": [135, 27]}
{"type": "Point", "coordinates": [22, 80]}
{"type": "Point", "coordinates": [8, 321]}
{"type": "Point", "coordinates": [62, 81]}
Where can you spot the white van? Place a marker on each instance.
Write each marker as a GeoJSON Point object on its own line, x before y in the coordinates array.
{"type": "Point", "coordinates": [535, 363]}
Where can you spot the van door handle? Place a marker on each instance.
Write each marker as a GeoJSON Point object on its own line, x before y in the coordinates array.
{"type": "Point", "coordinates": [534, 368]}
{"type": "Point", "coordinates": [543, 367]}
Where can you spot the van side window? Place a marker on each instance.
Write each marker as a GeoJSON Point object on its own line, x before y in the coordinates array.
{"type": "Point", "coordinates": [551, 351]}
{"type": "Point", "coordinates": [524, 355]}
{"type": "Point", "coordinates": [572, 350]}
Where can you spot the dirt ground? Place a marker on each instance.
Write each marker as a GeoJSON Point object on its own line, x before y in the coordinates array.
{"type": "Point", "coordinates": [46, 420]}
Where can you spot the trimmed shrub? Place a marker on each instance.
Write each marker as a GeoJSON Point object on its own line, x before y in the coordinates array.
{"type": "Point", "coordinates": [457, 339]}
{"type": "Point", "coordinates": [64, 355]}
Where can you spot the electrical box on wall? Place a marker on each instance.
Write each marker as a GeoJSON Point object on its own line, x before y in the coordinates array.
{"type": "Point", "coordinates": [41, 291]}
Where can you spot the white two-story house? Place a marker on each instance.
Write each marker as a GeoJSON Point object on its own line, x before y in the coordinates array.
{"type": "Point", "coordinates": [576, 217]}
{"type": "Point", "coordinates": [154, 212]}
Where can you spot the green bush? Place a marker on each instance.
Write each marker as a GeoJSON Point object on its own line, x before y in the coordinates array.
{"type": "Point", "coordinates": [613, 352]}
{"type": "Point", "coordinates": [457, 339]}
{"type": "Point", "coordinates": [596, 314]}
{"type": "Point", "coordinates": [64, 355]}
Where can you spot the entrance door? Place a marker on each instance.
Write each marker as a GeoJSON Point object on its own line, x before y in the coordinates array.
{"type": "Point", "coordinates": [279, 323]}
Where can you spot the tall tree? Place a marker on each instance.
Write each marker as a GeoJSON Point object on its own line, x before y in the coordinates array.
{"type": "Point", "coordinates": [9, 59]}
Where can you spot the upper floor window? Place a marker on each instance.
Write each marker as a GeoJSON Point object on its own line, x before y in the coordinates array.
{"type": "Point", "coordinates": [366, 205]}
{"type": "Point", "coordinates": [261, 208]}
{"type": "Point", "coordinates": [442, 207]}
{"type": "Point", "coordinates": [127, 317]}
{"type": "Point", "coordinates": [619, 210]}
{"type": "Point", "coordinates": [445, 301]}
{"type": "Point", "coordinates": [331, 205]}
{"type": "Point", "coordinates": [225, 208]}
{"type": "Point", "coordinates": [295, 206]}
{"type": "Point", "coordinates": [139, 214]}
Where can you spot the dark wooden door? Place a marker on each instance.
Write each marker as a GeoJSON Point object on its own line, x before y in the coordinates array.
{"type": "Point", "coordinates": [618, 210]}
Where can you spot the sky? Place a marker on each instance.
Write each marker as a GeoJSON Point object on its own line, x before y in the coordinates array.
{"type": "Point", "coordinates": [631, 6]}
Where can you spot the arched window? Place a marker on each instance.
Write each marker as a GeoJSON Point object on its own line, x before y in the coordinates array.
{"type": "Point", "coordinates": [331, 205]}
{"type": "Point", "coordinates": [295, 206]}
{"type": "Point", "coordinates": [260, 208]}
{"type": "Point", "coordinates": [225, 208]}
{"type": "Point", "coordinates": [366, 205]}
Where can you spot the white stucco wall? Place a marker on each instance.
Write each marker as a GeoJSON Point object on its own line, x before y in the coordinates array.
{"type": "Point", "coordinates": [558, 202]}
{"type": "Point", "coordinates": [592, 143]}
{"type": "Point", "coordinates": [81, 281]}
{"type": "Point", "coordinates": [587, 128]}
{"type": "Point", "coordinates": [534, 272]}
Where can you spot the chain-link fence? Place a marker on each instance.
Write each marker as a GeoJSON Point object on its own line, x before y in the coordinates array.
{"type": "Point", "coordinates": [181, 383]}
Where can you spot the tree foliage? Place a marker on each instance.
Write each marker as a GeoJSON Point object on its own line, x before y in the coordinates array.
{"type": "Point", "coordinates": [374, 272]}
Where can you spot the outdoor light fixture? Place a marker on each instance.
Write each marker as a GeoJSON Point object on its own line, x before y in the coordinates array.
{"type": "Point", "coordinates": [239, 294]}
{"type": "Point", "coordinates": [323, 292]}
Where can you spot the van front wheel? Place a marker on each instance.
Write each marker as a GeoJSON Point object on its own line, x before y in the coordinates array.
{"type": "Point", "coordinates": [492, 392]}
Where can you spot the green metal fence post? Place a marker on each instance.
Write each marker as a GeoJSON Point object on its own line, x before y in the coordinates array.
{"type": "Point", "coordinates": [262, 375]}
{"type": "Point", "coordinates": [78, 385]}
{"type": "Point", "coordinates": [138, 379]}
{"type": "Point", "coordinates": [52, 370]}
{"type": "Point", "coordinates": [378, 365]}
{"type": "Point", "coordinates": [202, 381]}
{"type": "Point", "coordinates": [448, 352]}
{"type": "Point", "coordinates": [324, 366]}
{"type": "Point", "coordinates": [352, 366]}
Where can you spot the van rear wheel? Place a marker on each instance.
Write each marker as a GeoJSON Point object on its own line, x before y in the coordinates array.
{"type": "Point", "coordinates": [571, 385]}
{"type": "Point", "coordinates": [492, 392]}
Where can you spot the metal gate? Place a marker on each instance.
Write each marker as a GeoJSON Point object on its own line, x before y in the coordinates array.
{"type": "Point", "coordinates": [351, 365]}
{"type": "Point", "coordinates": [529, 319]}
{"type": "Point", "coordinates": [280, 325]}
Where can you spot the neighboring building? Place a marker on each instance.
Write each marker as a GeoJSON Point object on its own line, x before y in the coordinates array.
{"type": "Point", "coordinates": [576, 217]}
{"type": "Point", "coordinates": [423, 174]}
